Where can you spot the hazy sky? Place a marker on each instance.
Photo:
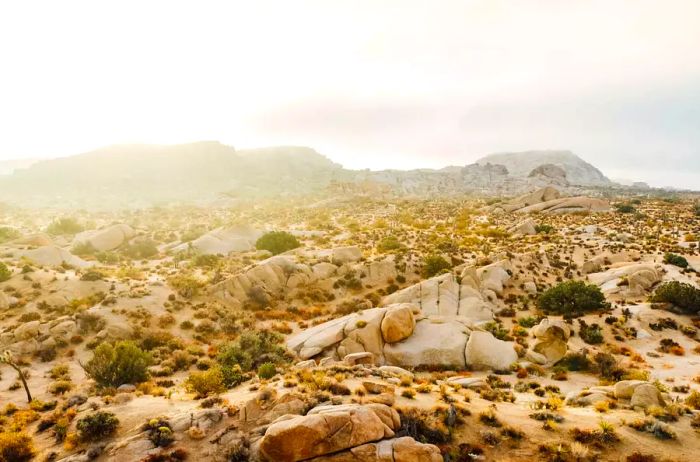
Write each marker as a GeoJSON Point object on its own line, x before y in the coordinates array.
{"type": "Point", "coordinates": [371, 84]}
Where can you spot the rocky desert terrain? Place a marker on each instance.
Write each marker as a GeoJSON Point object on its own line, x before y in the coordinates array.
{"type": "Point", "coordinates": [343, 325]}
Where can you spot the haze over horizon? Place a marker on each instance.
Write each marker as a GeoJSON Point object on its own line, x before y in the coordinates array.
{"type": "Point", "coordinates": [391, 84]}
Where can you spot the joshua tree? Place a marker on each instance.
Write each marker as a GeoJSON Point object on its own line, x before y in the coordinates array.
{"type": "Point", "coordinates": [6, 358]}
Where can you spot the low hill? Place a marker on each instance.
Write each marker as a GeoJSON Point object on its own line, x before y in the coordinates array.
{"type": "Point", "coordinates": [521, 164]}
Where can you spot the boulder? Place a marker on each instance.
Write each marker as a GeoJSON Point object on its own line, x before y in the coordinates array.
{"type": "Point", "coordinates": [552, 336]}
{"type": "Point", "coordinates": [343, 255]}
{"type": "Point", "coordinates": [28, 330]}
{"type": "Point", "coordinates": [398, 323]}
{"type": "Point", "coordinates": [524, 228]}
{"type": "Point", "coordinates": [484, 351]}
{"type": "Point", "coordinates": [432, 343]}
{"type": "Point", "coordinates": [326, 431]}
{"type": "Point", "coordinates": [624, 389]}
{"type": "Point", "coordinates": [105, 239]}
{"type": "Point", "coordinates": [646, 395]}
{"type": "Point", "coordinates": [376, 388]}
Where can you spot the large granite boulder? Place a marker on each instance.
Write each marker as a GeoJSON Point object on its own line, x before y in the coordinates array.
{"type": "Point", "coordinates": [484, 351]}
{"type": "Point", "coordinates": [433, 343]}
{"type": "Point", "coordinates": [105, 239]}
{"type": "Point", "coordinates": [404, 449]}
{"type": "Point", "coordinates": [551, 339]}
{"type": "Point", "coordinates": [329, 430]}
{"type": "Point", "coordinates": [398, 322]}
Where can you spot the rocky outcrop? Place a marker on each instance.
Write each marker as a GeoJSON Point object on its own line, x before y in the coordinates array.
{"type": "Point", "coordinates": [432, 343]}
{"type": "Point", "coordinates": [327, 430]}
{"type": "Point", "coordinates": [223, 241]}
{"type": "Point", "coordinates": [521, 164]}
{"type": "Point", "coordinates": [53, 256]}
{"type": "Point", "coordinates": [551, 339]}
{"type": "Point", "coordinates": [628, 279]}
{"type": "Point", "coordinates": [550, 174]}
{"type": "Point", "coordinates": [568, 205]}
{"type": "Point", "coordinates": [404, 449]}
{"type": "Point", "coordinates": [474, 297]}
{"type": "Point", "coordinates": [524, 228]}
{"type": "Point", "coordinates": [105, 239]}
{"type": "Point", "coordinates": [484, 351]}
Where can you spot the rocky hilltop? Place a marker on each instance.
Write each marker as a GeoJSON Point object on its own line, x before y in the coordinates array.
{"type": "Point", "coordinates": [521, 164]}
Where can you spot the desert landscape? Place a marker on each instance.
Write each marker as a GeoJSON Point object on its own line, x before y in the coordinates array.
{"type": "Point", "coordinates": [373, 319]}
{"type": "Point", "coordinates": [350, 231]}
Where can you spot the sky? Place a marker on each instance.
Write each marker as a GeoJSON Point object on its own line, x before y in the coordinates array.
{"type": "Point", "coordinates": [369, 83]}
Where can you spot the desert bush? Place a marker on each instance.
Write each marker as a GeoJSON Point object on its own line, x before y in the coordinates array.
{"type": "Point", "coordinates": [116, 365]}
{"type": "Point", "coordinates": [277, 242]}
{"type": "Point", "coordinates": [676, 260]}
{"type": "Point", "coordinates": [144, 248]}
{"type": "Point", "coordinates": [267, 371]}
{"type": "Point", "coordinates": [572, 299]}
{"type": "Point", "coordinates": [434, 265]}
{"type": "Point", "coordinates": [66, 225]}
{"type": "Point", "coordinates": [625, 208]}
{"type": "Point", "coordinates": [5, 272]}
{"type": "Point", "coordinates": [684, 297]}
{"type": "Point", "coordinates": [206, 383]}
{"type": "Point", "coordinates": [388, 244]}
{"type": "Point", "coordinates": [16, 447]}
{"type": "Point", "coordinates": [590, 333]}
{"type": "Point", "coordinates": [97, 425]}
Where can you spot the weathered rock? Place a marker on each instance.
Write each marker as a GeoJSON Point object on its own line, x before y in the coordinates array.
{"type": "Point", "coordinates": [552, 336]}
{"type": "Point", "coordinates": [376, 388]}
{"type": "Point", "coordinates": [398, 322]}
{"type": "Point", "coordinates": [484, 351]}
{"type": "Point", "coordinates": [343, 255]}
{"type": "Point", "coordinates": [404, 449]}
{"type": "Point", "coordinates": [358, 358]}
{"type": "Point", "coordinates": [524, 228]}
{"type": "Point", "coordinates": [646, 395]}
{"type": "Point", "coordinates": [105, 239]}
{"type": "Point", "coordinates": [624, 389]}
{"type": "Point", "coordinates": [432, 343]}
{"type": "Point", "coordinates": [327, 431]}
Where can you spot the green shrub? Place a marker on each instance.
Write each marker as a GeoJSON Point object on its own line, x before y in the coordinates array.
{"type": "Point", "coordinates": [388, 244]}
{"type": "Point", "coordinates": [433, 265]}
{"type": "Point", "coordinates": [65, 225]}
{"type": "Point", "coordinates": [123, 363]}
{"type": "Point", "coordinates": [97, 425]}
{"type": "Point", "coordinates": [544, 229]}
{"type": "Point", "coordinates": [209, 382]}
{"type": "Point", "coordinates": [5, 272]}
{"type": "Point", "coordinates": [572, 299]}
{"type": "Point", "coordinates": [16, 447]}
{"type": "Point", "coordinates": [591, 334]}
{"type": "Point", "coordinates": [8, 234]}
{"type": "Point", "coordinates": [84, 248]}
{"type": "Point", "coordinates": [277, 242]}
{"type": "Point", "coordinates": [267, 371]}
{"type": "Point", "coordinates": [625, 208]}
{"type": "Point", "coordinates": [144, 248]}
{"type": "Point", "coordinates": [233, 375]}
{"type": "Point", "coordinates": [252, 349]}
{"type": "Point", "coordinates": [676, 260]}
{"type": "Point", "coordinates": [206, 261]}
{"type": "Point", "coordinates": [684, 297]}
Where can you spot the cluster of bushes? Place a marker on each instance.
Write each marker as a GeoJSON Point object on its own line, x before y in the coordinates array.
{"type": "Point", "coordinates": [572, 299]}
{"type": "Point", "coordinates": [97, 425]}
{"type": "Point", "coordinates": [684, 297]}
{"type": "Point", "coordinates": [16, 447]}
{"type": "Point", "coordinates": [277, 242]}
{"type": "Point", "coordinates": [7, 234]}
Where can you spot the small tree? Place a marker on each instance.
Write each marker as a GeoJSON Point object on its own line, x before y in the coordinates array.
{"type": "Point", "coordinates": [433, 265]}
{"type": "Point", "coordinates": [572, 299]}
{"type": "Point", "coordinates": [6, 358]}
{"type": "Point", "coordinates": [112, 366]}
{"type": "Point", "coordinates": [277, 242]}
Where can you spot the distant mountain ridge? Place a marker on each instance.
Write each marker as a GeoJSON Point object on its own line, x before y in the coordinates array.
{"type": "Point", "coordinates": [145, 175]}
{"type": "Point", "coordinates": [520, 164]}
